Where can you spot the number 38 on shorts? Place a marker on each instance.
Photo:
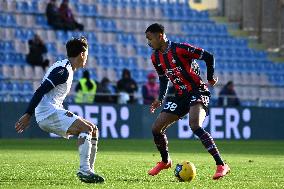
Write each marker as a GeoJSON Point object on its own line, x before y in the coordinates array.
{"type": "Point", "coordinates": [170, 106]}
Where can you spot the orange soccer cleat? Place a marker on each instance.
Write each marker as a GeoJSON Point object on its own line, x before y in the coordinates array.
{"type": "Point", "coordinates": [221, 171]}
{"type": "Point", "coordinates": [160, 166]}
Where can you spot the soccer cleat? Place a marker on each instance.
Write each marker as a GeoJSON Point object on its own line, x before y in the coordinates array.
{"type": "Point", "coordinates": [221, 171]}
{"type": "Point", "coordinates": [160, 166]}
{"type": "Point", "coordinates": [90, 177]}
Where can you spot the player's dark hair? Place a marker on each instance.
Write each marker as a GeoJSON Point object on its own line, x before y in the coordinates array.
{"type": "Point", "coordinates": [155, 28]}
{"type": "Point", "coordinates": [75, 46]}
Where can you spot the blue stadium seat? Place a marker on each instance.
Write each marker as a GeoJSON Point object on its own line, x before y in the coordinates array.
{"type": "Point", "coordinates": [19, 58]}
{"type": "Point", "coordinates": [2, 20]}
{"type": "Point", "coordinates": [27, 6]}
{"type": "Point", "coordinates": [106, 1]}
{"type": "Point", "coordinates": [91, 37]}
{"type": "Point", "coordinates": [5, 87]}
{"type": "Point", "coordinates": [41, 21]}
{"type": "Point", "coordinates": [126, 38]}
{"type": "Point", "coordinates": [7, 46]}
{"type": "Point", "coordinates": [8, 20]}
{"type": "Point", "coordinates": [28, 88]}
{"type": "Point", "coordinates": [103, 61]}
{"type": "Point", "coordinates": [113, 61]}
{"type": "Point", "coordinates": [86, 10]}
{"type": "Point", "coordinates": [121, 63]}
{"type": "Point", "coordinates": [82, 9]}
{"type": "Point", "coordinates": [26, 97]}
{"type": "Point", "coordinates": [141, 50]}
{"type": "Point", "coordinates": [51, 48]}
{"type": "Point", "coordinates": [132, 63]}
{"type": "Point", "coordinates": [203, 16]}
{"type": "Point", "coordinates": [93, 49]}
{"type": "Point", "coordinates": [17, 87]}
{"type": "Point", "coordinates": [250, 103]}
{"type": "Point", "coordinates": [22, 6]}
{"type": "Point", "coordinates": [61, 35]}
{"type": "Point", "coordinates": [24, 34]}
{"type": "Point", "coordinates": [106, 25]}
{"type": "Point", "coordinates": [93, 74]}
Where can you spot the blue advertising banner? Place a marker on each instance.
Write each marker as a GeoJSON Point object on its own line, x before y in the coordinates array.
{"type": "Point", "coordinates": [135, 121]}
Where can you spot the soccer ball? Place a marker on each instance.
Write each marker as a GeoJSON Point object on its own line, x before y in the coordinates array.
{"type": "Point", "coordinates": [185, 171]}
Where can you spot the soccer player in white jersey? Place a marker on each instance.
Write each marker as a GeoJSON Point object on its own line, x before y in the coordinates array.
{"type": "Point", "coordinates": [50, 115]}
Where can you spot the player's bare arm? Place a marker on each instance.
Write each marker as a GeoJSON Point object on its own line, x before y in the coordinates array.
{"type": "Point", "coordinates": [156, 104]}
{"type": "Point", "coordinates": [23, 123]}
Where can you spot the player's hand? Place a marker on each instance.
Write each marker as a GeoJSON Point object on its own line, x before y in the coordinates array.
{"type": "Point", "coordinates": [23, 123]}
{"type": "Point", "coordinates": [213, 81]}
{"type": "Point", "coordinates": [156, 104]}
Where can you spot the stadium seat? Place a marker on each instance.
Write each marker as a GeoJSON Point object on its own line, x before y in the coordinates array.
{"type": "Point", "coordinates": [117, 40]}
{"type": "Point", "coordinates": [61, 35]}
{"type": "Point", "coordinates": [28, 72]}
{"type": "Point", "coordinates": [39, 73]}
{"type": "Point", "coordinates": [41, 22]}
{"type": "Point", "coordinates": [8, 20]}
{"type": "Point", "coordinates": [51, 48]}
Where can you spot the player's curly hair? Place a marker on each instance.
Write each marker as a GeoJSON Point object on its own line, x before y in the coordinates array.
{"type": "Point", "coordinates": [75, 46]}
{"type": "Point", "coordinates": [155, 28]}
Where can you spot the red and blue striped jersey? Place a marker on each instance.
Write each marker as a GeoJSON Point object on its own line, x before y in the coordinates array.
{"type": "Point", "coordinates": [176, 63]}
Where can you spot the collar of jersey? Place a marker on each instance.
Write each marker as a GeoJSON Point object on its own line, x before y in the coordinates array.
{"type": "Point", "coordinates": [168, 48]}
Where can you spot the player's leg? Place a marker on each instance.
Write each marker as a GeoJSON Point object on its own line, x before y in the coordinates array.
{"type": "Point", "coordinates": [197, 115]}
{"type": "Point", "coordinates": [159, 127]}
{"type": "Point", "coordinates": [94, 142]}
{"type": "Point", "coordinates": [85, 132]}
{"type": "Point", "coordinates": [163, 121]}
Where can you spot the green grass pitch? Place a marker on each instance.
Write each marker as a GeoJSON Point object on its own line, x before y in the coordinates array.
{"type": "Point", "coordinates": [52, 163]}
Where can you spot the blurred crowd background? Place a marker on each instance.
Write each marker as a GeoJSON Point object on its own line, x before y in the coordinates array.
{"type": "Point", "coordinates": [246, 38]}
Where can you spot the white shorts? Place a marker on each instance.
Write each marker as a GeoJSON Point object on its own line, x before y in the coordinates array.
{"type": "Point", "coordinates": [58, 122]}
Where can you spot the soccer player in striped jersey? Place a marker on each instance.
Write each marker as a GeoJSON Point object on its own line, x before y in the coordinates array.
{"type": "Point", "coordinates": [50, 115]}
{"type": "Point", "coordinates": [175, 62]}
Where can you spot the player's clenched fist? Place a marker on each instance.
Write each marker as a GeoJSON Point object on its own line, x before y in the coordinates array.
{"type": "Point", "coordinates": [213, 81]}
{"type": "Point", "coordinates": [156, 104]}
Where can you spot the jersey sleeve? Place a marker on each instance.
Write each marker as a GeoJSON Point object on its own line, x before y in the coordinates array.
{"type": "Point", "coordinates": [156, 65]}
{"type": "Point", "coordinates": [191, 51]}
{"type": "Point", "coordinates": [198, 53]}
{"type": "Point", "coordinates": [44, 88]}
{"type": "Point", "coordinates": [57, 76]}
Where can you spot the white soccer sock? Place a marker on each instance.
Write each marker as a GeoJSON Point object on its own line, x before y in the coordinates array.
{"type": "Point", "coordinates": [85, 151]}
{"type": "Point", "coordinates": [94, 150]}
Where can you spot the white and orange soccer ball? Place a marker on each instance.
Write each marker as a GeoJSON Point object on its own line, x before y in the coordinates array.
{"type": "Point", "coordinates": [185, 171]}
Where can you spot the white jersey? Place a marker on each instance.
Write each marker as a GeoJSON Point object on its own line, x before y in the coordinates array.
{"type": "Point", "coordinates": [52, 101]}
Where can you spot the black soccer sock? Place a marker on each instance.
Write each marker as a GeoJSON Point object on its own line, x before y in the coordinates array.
{"type": "Point", "coordinates": [209, 144]}
{"type": "Point", "coordinates": [161, 142]}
